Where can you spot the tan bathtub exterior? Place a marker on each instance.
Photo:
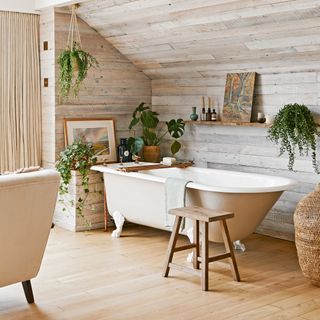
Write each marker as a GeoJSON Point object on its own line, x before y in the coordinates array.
{"type": "Point", "coordinates": [140, 197]}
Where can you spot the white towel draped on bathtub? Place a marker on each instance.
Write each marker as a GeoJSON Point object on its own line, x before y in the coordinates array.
{"type": "Point", "coordinates": [175, 197]}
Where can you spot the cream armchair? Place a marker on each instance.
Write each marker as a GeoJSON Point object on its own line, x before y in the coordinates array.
{"type": "Point", "coordinates": [27, 203]}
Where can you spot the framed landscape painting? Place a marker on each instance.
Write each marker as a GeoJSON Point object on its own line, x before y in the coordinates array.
{"type": "Point", "coordinates": [238, 97]}
{"type": "Point", "coordinates": [99, 132]}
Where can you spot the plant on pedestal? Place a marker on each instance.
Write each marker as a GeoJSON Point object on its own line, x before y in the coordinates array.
{"type": "Point", "coordinates": [78, 156]}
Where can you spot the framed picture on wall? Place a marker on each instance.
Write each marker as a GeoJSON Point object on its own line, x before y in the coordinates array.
{"type": "Point", "coordinates": [99, 132]}
{"type": "Point", "coordinates": [238, 97]}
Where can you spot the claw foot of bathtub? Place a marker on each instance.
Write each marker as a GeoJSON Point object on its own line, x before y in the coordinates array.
{"type": "Point", "coordinates": [238, 245]}
{"type": "Point", "coordinates": [119, 222]}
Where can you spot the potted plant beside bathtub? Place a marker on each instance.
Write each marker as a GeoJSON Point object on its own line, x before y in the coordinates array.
{"type": "Point", "coordinates": [153, 133]}
{"type": "Point", "coordinates": [80, 193]}
{"type": "Point", "coordinates": [295, 130]}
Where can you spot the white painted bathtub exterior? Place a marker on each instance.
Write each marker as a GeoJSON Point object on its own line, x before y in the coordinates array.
{"type": "Point", "coordinates": [139, 196]}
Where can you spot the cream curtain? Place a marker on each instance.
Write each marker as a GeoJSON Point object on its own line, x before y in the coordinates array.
{"type": "Point", "coordinates": [20, 104]}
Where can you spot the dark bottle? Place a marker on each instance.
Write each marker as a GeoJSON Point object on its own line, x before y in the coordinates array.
{"type": "Point", "coordinates": [203, 114]}
{"type": "Point", "coordinates": [123, 152]}
{"type": "Point", "coordinates": [208, 114]}
{"type": "Point", "coordinates": [214, 115]}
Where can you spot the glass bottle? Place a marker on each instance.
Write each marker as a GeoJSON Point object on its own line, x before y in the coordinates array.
{"type": "Point", "coordinates": [213, 115]}
{"type": "Point", "coordinates": [203, 114]}
{"type": "Point", "coordinates": [123, 152]}
{"type": "Point", "coordinates": [208, 114]}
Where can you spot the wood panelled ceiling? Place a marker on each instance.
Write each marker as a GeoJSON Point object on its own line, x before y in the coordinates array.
{"type": "Point", "coordinates": [202, 38]}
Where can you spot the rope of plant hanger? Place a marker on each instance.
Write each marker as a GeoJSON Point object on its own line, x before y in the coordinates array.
{"type": "Point", "coordinates": [74, 34]}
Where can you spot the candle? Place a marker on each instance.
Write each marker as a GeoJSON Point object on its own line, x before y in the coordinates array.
{"type": "Point", "coordinates": [203, 103]}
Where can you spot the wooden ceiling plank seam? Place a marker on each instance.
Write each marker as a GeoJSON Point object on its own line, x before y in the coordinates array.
{"type": "Point", "coordinates": [152, 8]}
{"type": "Point", "coordinates": [185, 35]}
{"type": "Point", "coordinates": [202, 39]}
{"type": "Point", "coordinates": [214, 15]}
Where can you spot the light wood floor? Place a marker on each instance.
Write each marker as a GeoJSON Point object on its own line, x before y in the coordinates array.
{"type": "Point", "coordinates": [93, 276]}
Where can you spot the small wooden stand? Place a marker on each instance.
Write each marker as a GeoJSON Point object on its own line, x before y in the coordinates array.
{"type": "Point", "coordinates": [203, 216]}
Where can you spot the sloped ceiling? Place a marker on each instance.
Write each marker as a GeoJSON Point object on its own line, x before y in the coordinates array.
{"type": "Point", "coordinates": [196, 38]}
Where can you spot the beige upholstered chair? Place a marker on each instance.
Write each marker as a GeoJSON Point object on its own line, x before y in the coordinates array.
{"type": "Point", "coordinates": [27, 203]}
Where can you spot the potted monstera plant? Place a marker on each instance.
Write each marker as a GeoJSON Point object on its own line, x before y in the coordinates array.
{"type": "Point", "coordinates": [294, 129]}
{"type": "Point", "coordinates": [153, 133]}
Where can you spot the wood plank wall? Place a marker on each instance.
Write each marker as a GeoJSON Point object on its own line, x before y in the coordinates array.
{"type": "Point", "coordinates": [244, 148]}
{"type": "Point", "coordinates": [111, 91]}
{"type": "Point", "coordinates": [47, 58]}
{"type": "Point", "coordinates": [188, 46]}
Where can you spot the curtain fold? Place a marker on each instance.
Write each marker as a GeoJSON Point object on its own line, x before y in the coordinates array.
{"type": "Point", "coordinates": [20, 101]}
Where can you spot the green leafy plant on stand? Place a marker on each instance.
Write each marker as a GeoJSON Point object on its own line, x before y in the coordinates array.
{"type": "Point", "coordinates": [78, 156]}
{"type": "Point", "coordinates": [151, 134]}
{"type": "Point", "coordinates": [294, 129]}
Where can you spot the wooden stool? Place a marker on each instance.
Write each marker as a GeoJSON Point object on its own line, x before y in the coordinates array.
{"type": "Point", "coordinates": [203, 216]}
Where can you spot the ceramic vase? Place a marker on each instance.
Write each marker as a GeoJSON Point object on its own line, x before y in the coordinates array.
{"type": "Point", "coordinates": [193, 115]}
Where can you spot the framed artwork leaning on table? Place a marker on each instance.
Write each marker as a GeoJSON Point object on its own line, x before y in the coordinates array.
{"type": "Point", "coordinates": [99, 132]}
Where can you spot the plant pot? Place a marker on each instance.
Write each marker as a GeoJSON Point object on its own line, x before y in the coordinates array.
{"type": "Point", "coordinates": [151, 153]}
{"type": "Point", "coordinates": [307, 235]}
{"type": "Point", "coordinates": [75, 69]}
{"type": "Point", "coordinates": [75, 65]}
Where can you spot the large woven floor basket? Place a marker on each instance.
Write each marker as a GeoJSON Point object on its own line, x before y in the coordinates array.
{"type": "Point", "coordinates": [307, 235]}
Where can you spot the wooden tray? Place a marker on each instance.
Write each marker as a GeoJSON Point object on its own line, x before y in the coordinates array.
{"type": "Point", "coordinates": [155, 166]}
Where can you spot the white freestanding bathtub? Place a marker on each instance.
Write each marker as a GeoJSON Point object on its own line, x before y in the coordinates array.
{"type": "Point", "coordinates": [140, 196]}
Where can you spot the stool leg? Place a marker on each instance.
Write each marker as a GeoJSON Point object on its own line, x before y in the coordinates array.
{"type": "Point", "coordinates": [196, 240]}
{"type": "Point", "coordinates": [229, 248]}
{"type": "Point", "coordinates": [205, 257]}
{"type": "Point", "coordinates": [172, 245]}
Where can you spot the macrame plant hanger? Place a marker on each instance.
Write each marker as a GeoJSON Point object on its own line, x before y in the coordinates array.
{"type": "Point", "coordinates": [73, 35]}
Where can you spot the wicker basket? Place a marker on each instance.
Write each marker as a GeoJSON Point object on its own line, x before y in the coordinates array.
{"type": "Point", "coordinates": [307, 235]}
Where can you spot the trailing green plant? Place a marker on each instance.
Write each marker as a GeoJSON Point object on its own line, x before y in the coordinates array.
{"type": "Point", "coordinates": [294, 129]}
{"type": "Point", "coordinates": [151, 134]}
{"type": "Point", "coordinates": [74, 64]}
{"type": "Point", "coordinates": [77, 156]}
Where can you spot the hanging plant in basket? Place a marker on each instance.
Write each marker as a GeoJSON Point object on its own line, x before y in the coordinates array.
{"type": "Point", "coordinates": [74, 62]}
{"type": "Point", "coordinates": [295, 129]}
